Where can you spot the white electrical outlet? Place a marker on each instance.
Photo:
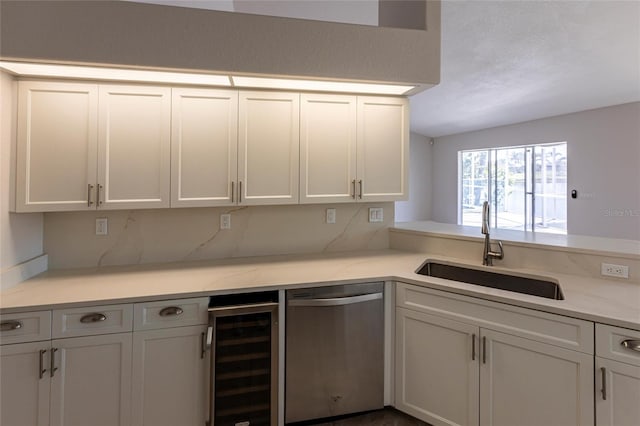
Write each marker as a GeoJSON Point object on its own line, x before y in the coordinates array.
{"type": "Point", "coordinates": [102, 226]}
{"type": "Point", "coordinates": [376, 214]}
{"type": "Point", "coordinates": [331, 216]}
{"type": "Point", "coordinates": [611, 270]}
{"type": "Point", "coordinates": [225, 221]}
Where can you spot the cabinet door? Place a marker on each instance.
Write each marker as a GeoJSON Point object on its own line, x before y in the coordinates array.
{"type": "Point", "coordinates": [617, 393]}
{"type": "Point", "coordinates": [436, 369]}
{"type": "Point", "coordinates": [92, 383]}
{"type": "Point", "coordinates": [269, 146]}
{"type": "Point", "coordinates": [383, 148]}
{"type": "Point", "coordinates": [57, 145]}
{"type": "Point", "coordinates": [327, 148]}
{"type": "Point", "coordinates": [169, 377]}
{"type": "Point", "coordinates": [524, 382]}
{"type": "Point", "coordinates": [24, 395]}
{"type": "Point", "coordinates": [204, 143]}
{"type": "Point", "coordinates": [134, 132]}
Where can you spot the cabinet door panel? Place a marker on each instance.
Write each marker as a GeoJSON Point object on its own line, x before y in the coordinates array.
{"type": "Point", "coordinates": [327, 148]}
{"type": "Point", "coordinates": [436, 373]}
{"type": "Point", "coordinates": [134, 141]}
{"type": "Point", "coordinates": [57, 146]}
{"type": "Point", "coordinates": [269, 146]}
{"type": "Point", "coordinates": [204, 147]}
{"type": "Point", "coordinates": [169, 377]}
{"type": "Point", "coordinates": [528, 383]}
{"type": "Point", "coordinates": [383, 148]}
{"type": "Point", "coordinates": [24, 396]}
{"type": "Point", "coordinates": [92, 385]}
{"type": "Point", "coordinates": [622, 404]}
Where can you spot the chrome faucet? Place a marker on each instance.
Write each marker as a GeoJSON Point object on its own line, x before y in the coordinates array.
{"type": "Point", "coordinates": [488, 255]}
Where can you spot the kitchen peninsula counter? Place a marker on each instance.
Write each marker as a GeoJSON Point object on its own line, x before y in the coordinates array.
{"type": "Point", "coordinates": [610, 301]}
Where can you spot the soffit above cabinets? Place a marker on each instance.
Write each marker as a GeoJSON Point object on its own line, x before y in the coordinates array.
{"type": "Point", "coordinates": [105, 73]}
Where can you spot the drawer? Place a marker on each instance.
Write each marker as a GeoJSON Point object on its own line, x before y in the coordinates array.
{"type": "Point", "coordinates": [26, 327]}
{"type": "Point", "coordinates": [170, 313]}
{"type": "Point", "coordinates": [616, 343]}
{"type": "Point", "coordinates": [558, 330]}
{"type": "Point", "coordinates": [92, 320]}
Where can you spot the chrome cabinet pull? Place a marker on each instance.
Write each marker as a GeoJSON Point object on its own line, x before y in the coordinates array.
{"type": "Point", "coordinates": [208, 339]}
{"type": "Point", "coordinates": [239, 191]}
{"type": "Point", "coordinates": [89, 188]}
{"type": "Point", "coordinates": [170, 311]}
{"type": "Point", "coordinates": [360, 183]}
{"type": "Point", "coordinates": [203, 344]}
{"type": "Point", "coordinates": [484, 349]}
{"type": "Point", "coordinates": [633, 345]}
{"type": "Point", "coordinates": [353, 188]}
{"type": "Point", "coordinates": [91, 318]}
{"type": "Point", "coordinates": [232, 191]}
{"type": "Point", "coordinates": [10, 325]}
{"type": "Point", "coordinates": [52, 367]}
{"type": "Point", "coordinates": [98, 195]}
{"type": "Point", "coordinates": [41, 369]}
{"type": "Point", "coordinates": [603, 371]}
{"type": "Point", "coordinates": [473, 347]}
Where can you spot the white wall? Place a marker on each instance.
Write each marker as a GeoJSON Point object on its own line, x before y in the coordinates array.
{"type": "Point", "coordinates": [20, 234]}
{"type": "Point", "coordinates": [603, 147]}
{"type": "Point", "coordinates": [418, 207]}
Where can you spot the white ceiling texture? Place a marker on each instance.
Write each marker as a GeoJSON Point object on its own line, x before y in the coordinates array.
{"type": "Point", "coordinates": [503, 62]}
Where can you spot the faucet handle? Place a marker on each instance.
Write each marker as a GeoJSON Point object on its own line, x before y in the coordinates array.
{"type": "Point", "coordinates": [497, 254]}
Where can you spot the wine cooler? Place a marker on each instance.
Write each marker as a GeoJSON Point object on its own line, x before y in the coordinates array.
{"type": "Point", "coordinates": [243, 334]}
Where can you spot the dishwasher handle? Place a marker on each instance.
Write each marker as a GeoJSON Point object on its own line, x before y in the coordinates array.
{"type": "Point", "coordinates": [336, 301]}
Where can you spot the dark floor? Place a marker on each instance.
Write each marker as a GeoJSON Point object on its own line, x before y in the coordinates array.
{"type": "Point", "coordinates": [386, 417]}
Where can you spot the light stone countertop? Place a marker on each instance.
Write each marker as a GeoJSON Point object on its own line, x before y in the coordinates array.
{"type": "Point", "coordinates": [607, 301]}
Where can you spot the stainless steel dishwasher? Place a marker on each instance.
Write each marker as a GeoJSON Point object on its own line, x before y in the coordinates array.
{"type": "Point", "coordinates": [334, 351]}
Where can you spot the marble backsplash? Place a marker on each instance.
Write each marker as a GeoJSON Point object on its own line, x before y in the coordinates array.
{"type": "Point", "coordinates": [170, 235]}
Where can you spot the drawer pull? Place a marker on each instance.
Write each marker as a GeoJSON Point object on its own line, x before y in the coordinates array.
{"type": "Point", "coordinates": [170, 311]}
{"type": "Point", "coordinates": [10, 325]}
{"type": "Point", "coordinates": [90, 318]}
{"type": "Point", "coordinates": [634, 345]}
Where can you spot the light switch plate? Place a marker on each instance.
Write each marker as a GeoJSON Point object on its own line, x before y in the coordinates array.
{"type": "Point", "coordinates": [102, 226]}
{"type": "Point", "coordinates": [376, 214]}
{"type": "Point", "coordinates": [331, 216]}
{"type": "Point", "coordinates": [225, 221]}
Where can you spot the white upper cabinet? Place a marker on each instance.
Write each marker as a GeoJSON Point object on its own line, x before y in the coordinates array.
{"type": "Point", "coordinates": [383, 148]}
{"type": "Point", "coordinates": [134, 147]}
{"type": "Point", "coordinates": [268, 151]}
{"type": "Point", "coordinates": [57, 146]}
{"type": "Point", "coordinates": [101, 146]}
{"type": "Point", "coordinates": [327, 148]}
{"type": "Point", "coordinates": [204, 140]}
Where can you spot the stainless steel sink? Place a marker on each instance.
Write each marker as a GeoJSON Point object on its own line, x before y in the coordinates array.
{"type": "Point", "coordinates": [542, 287]}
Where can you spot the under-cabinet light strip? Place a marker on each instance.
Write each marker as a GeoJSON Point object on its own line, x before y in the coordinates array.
{"type": "Point", "coordinates": [118, 74]}
{"type": "Point", "coordinates": [149, 76]}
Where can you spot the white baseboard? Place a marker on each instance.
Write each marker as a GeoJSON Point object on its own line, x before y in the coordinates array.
{"type": "Point", "coordinates": [25, 270]}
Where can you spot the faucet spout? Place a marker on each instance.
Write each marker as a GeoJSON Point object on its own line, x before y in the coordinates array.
{"type": "Point", "coordinates": [488, 255]}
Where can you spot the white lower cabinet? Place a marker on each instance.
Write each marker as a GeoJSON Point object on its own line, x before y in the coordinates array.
{"type": "Point", "coordinates": [617, 376]}
{"type": "Point", "coordinates": [453, 366]}
{"type": "Point", "coordinates": [437, 383]}
{"type": "Point", "coordinates": [91, 383]}
{"type": "Point", "coordinates": [169, 377]}
{"type": "Point", "coordinates": [524, 382]}
{"type": "Point", "coordinates": [24, 384]}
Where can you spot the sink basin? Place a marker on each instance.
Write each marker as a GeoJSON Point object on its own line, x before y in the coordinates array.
{"type": "Point", "coordinates": [534, 286]}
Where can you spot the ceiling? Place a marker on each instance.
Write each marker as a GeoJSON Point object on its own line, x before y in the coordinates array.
{"type": "Point", "coordinates": [506, 62]}
{"type": "Point", "coordinates": [503, 62]}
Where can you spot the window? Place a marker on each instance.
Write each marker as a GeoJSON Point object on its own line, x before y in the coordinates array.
{"type": "Point", "coordinates": [526, 187]}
